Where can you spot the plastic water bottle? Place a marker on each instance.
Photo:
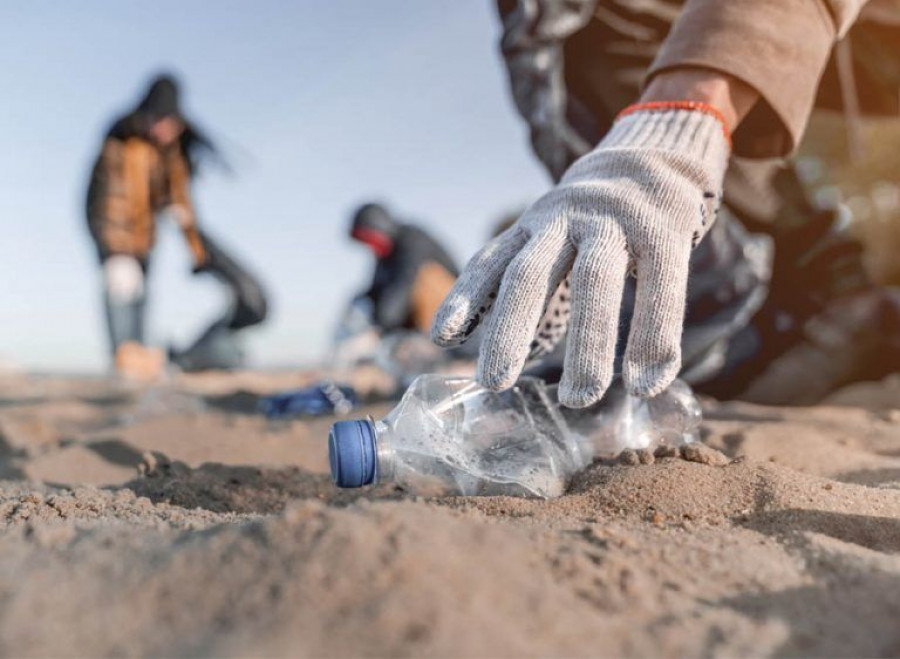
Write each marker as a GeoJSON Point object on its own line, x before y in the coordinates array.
{"type": "Point", "coordinates": [450, 436]}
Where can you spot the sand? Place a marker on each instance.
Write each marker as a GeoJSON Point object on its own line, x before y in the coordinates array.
{"type": "Point", "coordinates": [175, 521]}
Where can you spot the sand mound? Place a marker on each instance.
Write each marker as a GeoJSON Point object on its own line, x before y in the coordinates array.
{"type": "Point", "coordinates": [679, 489]}
{"type": "Point", "coordinates": [374, 580]}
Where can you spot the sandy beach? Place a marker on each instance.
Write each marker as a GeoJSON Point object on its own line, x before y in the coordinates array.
{"type": "Point", "coordinates": [174, 520]}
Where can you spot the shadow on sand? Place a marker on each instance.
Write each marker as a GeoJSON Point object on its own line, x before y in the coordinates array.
{"type": "Point", "coordinates": [242, 489]}
{"type": "Point", "coordinates": [854, 588]}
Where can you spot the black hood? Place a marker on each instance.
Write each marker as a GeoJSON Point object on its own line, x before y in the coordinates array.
{"type": "Point", "coordinates": [375, 217]}
{"type": "Point", "coordinates": [161, 99]}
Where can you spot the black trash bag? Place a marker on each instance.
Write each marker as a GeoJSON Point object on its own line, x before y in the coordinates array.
{"type": "Point", "coordinates": [217, 346]}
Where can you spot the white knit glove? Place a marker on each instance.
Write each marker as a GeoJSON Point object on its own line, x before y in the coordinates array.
{"type": "Point", "coordinates": [639, 202]}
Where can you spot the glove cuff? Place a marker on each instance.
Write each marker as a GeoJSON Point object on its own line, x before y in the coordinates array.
{"type": "Point", "coordinates": [692, 129]}
{"type": "Point", "coordinates": [696, 106]}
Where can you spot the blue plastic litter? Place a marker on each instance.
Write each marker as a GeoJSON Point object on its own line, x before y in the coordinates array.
{"type": "Point", "coordinates": [323, 399]}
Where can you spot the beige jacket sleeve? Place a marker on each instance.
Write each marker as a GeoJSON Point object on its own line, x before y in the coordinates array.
{"type": "Point", "coordinates": [180, 196]}
{"type": "Point", "coordinates": [778, 47]}
{"type": "Point", "coordinates": [845, 12]}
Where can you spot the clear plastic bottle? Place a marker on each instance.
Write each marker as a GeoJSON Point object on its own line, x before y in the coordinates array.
{"type": "Point", "coordinates": [450, 436]}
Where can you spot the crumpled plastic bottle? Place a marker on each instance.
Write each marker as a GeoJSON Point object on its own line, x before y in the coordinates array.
{"type": "Point", "coordinates": [450, 436]}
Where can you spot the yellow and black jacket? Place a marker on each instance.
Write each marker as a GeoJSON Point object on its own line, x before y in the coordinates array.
{"type": "Point", "coordinates": [132, 181]}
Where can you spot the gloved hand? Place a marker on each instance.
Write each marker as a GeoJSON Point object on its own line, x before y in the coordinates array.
{"type": "Point", "coordinates": [639, 202]}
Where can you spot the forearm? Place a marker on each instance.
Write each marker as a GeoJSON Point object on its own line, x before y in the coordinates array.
{"type": "Point", "coordinates": [184, 217]}
{"type": "Point", "coordinates": [195, 244]}
{"type": "Point", "coordinates": [779, 48]}
{"type": "Point", "coordinates": [731, 97]}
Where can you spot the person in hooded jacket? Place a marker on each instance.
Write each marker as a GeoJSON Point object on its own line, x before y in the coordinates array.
{"type": "Point", "coordinates": [145, 166]}
{"type": "Point", "coordinates": [413, 272]}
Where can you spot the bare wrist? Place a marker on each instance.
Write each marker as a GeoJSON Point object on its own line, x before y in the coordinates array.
{"type": "Point", "coordinates": [731, 97]}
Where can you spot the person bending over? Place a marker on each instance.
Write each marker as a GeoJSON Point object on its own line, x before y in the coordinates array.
{"type": "Point", "coordinates": [639, 171]}
{"type": "Point", "coordinates": [145, 166]}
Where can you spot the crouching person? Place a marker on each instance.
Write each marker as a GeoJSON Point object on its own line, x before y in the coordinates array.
{"type": "Point", "coordinates": [413, 272]}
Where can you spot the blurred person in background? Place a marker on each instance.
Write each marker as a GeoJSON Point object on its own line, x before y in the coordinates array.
{"type": "Point", "coordinates": [145, 167]}
{"type": "Point", "coordinates": [413, 271]}
{"type": "Point", "coordinates": [388, 324]}
{"type": "Point", "coordinates": [637, 109]}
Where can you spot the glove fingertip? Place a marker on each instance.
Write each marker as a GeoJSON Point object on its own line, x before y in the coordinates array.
{"type": "Point", "coordinates": [445, 340]}
{"type": "Point", "coordinates": [647, 381]}
{"type": "Point", "coordinates": [496, 379]}
{"type": "Point", "coordinates": [452, 326]}
{"type": "Point", "coordinates": [578, 396]}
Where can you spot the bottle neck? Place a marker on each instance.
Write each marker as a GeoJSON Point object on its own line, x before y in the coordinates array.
{"type": "Point", "coordinates": [384, 452]}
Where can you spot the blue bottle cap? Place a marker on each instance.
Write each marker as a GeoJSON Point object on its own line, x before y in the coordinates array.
{"type": "Point", "coordinates": [351, 453]}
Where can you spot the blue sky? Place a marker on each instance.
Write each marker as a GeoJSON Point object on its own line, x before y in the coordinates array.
{"type": "Point", "coordinates": [321, 104]}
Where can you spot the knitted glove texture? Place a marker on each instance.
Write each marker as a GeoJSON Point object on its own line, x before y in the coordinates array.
{"type": "Point", "coordinates": [638, 203]}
